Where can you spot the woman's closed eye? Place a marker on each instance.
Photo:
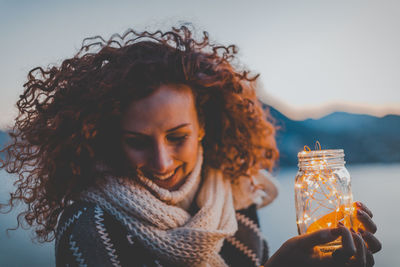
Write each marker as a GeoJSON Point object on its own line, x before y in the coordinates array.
{"type": "Point", "coordinates": [177, 138]}
{"type": "Point", "coordinates": [143, 143]}
{"type": "Point", "coordinates": [137, 143]}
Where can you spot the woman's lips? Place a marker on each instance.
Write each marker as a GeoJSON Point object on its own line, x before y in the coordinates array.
{"type": "Point", "coordinates": [165, 176]}
{"type": "Point", "coordinates": [168, 182]}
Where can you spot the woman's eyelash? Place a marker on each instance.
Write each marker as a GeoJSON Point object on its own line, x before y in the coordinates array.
{"type": "Point", "coordinates": [136, 143]}
{"type": "Point", "coordinates": [177, 138]}
{"type": "Point", "coordinates": [140, 143]}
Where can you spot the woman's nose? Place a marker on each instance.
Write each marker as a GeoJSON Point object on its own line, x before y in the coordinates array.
{"type": "Point", "coordinates": [162, 159]}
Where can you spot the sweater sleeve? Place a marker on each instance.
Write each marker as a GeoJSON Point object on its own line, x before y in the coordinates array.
{"type": "Point", "coordinates": [247, 247]}
{"type": "Point", "coordinates": [87, 236]}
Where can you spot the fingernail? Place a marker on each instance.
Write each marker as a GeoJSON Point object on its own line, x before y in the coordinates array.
{"type": "Point", "coordinates": [359, 212]}
{"type": "Point", "coordinates": [358, 204]}
{"type": "Point", "coordinates": [340, 224]}
{"type": "Point", "coordinates": [335, 231]}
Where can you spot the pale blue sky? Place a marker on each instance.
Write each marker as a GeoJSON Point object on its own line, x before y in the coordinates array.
{"type": "Point", "coordinates": [313, 56]}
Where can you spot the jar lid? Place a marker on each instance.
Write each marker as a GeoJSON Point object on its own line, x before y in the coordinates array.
{"type": "Point", "coordinates": [326, 153]}
{"type": "Point", "coordinates": [318, 158]}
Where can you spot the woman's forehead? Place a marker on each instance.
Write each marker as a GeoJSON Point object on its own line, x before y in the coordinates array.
{"type": "Point", "coordinates": [168, 107]}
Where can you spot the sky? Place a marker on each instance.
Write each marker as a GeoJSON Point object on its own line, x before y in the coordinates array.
{"type": "Point", "coordinates": [314, 57]}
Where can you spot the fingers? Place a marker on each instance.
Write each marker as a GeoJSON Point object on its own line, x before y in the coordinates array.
{"type": "Point", "coordinates": [355, 256]}
{"type": "Point", "coordinates": [348, 248]}
{"type": "Point", "coordinates": [360, 257]}
{"type": "Point", "coordinates": [308, 241]}
{"type": "Point", "coordinates": [363, 256]}
{"type": "Point", "coordinates": [362, 206]}
{"type": "Point", "coordinates": [372, 242]}
{"type": "Point", "coordinates": [366, 220]}
{"type": "Point", "coordinates": [339, 257]}
{"type": "Point", "coordinates": [364, 215]}
{"type": "Point", "coordinates": [370, 258]}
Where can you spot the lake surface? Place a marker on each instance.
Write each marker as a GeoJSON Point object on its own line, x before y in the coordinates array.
{"type": "Point", "coordinates": [376, 185]}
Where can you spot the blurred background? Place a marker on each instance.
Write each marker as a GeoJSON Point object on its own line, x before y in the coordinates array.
{"type": "Point", "coordinates": [329, 72]}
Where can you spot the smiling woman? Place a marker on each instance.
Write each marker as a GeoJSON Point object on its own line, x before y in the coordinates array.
{"type": "Point", "coordinates": [149, 150]}
{"type": "Point", "coordinates": [149, 146]}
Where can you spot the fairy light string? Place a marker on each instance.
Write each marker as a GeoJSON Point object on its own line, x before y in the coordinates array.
{"type": "Point", "coordinates": [320, 188]}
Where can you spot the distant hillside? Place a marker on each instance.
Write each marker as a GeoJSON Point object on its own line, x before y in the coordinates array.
{"type": "Point", "coordinates": [364, 138]}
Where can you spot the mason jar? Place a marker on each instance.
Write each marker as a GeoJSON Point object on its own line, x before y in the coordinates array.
{"type": "Point", "coordinates": [323, 195]}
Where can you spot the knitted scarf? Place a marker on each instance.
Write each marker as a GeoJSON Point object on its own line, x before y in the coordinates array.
{"type": "Point", "coordinates": [168, 231]}
{"type": "Point", "coordinates": [150, 214]}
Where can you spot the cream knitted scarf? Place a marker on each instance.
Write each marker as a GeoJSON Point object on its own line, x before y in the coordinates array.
{"type": "Point", "coordinates": [149, 214]}
{"type": "Point", "coordinates": [170, 232]}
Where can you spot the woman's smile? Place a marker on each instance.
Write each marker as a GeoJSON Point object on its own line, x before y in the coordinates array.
{"type": "Point", "coordinates": [171, 181]}
{"type": "Point", "coordinates": [163, 176]}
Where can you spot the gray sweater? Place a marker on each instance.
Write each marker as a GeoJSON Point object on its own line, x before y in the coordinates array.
{"type": "Point", "coordinates": [88, 236]}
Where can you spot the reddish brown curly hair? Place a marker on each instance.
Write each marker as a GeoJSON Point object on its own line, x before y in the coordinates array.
{"type": "Point", "coordinates": [69, 115]}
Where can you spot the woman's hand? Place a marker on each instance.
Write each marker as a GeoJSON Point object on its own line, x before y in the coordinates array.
{"type": "Point", "coordinates": [364, 215]}
{"type": "Point", "coordinates": [368, 229]}
{"type": "Point", "coordinates": [356, 250]}
{"type": "Point", "coordinates": [365, 241]}
{"type": "Point", "coordinates": [300, 250]}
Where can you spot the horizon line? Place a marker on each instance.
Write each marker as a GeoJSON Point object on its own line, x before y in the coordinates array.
{"type": "Point", "coordinates": [316, 112]}
{"type": "Point", "coordinates": [300, 114]}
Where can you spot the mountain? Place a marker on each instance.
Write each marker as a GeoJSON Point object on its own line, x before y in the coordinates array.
{"type": "Point", "coordinates": [364, 138]}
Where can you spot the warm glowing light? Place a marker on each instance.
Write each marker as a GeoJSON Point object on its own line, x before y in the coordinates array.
{"type": "Point", "coordinates": [320, 186]}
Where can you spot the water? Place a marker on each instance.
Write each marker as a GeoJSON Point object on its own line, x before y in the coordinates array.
{"type": "Point", "coordinates": [16, 248]}
{"type": "Point", "coordinates": [376, 185]}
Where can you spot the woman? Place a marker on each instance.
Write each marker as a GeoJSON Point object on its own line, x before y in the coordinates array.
{"type": "Point", "coordinates": [149, 150]}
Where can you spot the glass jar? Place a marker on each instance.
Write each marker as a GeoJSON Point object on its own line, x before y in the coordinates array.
{"type": "Point", "coordinates": [323, 195]}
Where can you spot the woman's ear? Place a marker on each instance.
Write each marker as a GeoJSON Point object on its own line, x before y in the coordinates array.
{"type": "Point", "coordinates": [201, 133]}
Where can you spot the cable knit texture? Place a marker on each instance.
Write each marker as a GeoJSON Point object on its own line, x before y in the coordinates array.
{"type": "Point", "coordinates": [167, 230]}
{"type": "Point", "coordinates": [152, 216]}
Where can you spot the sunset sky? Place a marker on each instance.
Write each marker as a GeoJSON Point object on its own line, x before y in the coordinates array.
{"type": "Point", "coordinates": [314, 57]}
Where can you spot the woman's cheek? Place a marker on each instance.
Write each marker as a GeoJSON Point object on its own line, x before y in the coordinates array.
{"type": "Point", "coordinates": [188, 152]}
{"type": "Point", "coordinates": [135, 159]}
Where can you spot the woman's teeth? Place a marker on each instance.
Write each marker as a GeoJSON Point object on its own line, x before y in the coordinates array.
{"type": "Point", "coordinates": [164, 177]}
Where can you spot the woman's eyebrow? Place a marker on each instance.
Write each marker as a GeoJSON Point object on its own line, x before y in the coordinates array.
{"type": "Point", "coordinates": [178, 127]}
{"type": "Point", "coordinates": [168, 131]}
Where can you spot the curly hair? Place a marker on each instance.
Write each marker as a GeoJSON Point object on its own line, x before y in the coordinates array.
{"type": "Point", "coordinates": [69, 115]}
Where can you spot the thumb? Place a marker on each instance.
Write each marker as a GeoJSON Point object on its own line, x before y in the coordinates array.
{"type": "Point", "coordinates": [319, 237]}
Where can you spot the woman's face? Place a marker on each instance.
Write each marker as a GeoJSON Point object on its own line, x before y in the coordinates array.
{"type": "Point", "coordinates": [160, 135]}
